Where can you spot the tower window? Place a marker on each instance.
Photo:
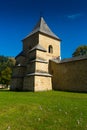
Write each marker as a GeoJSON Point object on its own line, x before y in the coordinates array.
{"type": "Point", "coordinates": [50, 49]}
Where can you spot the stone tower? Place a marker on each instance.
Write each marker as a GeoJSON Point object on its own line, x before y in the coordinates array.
{"type": "Point", "coordinates": [31, 72]}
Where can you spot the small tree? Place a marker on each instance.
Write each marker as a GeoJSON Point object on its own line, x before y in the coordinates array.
{"type": "Point", "coordinates": [6, 67]}
{"type": "Point", "coordinates": [81, 50]}
{"type": "Point", "coordinates": [6, 76]}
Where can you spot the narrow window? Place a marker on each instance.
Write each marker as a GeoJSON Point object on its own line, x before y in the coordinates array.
{"type": "Point", "coordinates": [50, 49]}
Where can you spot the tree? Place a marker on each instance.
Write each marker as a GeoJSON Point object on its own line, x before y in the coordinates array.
{"type": "Point", "coordinates": [80, 51]}
{"type": "Point", "coordinates": [6, 68]}
{"type": "Point", "coordinates": [6, 76]}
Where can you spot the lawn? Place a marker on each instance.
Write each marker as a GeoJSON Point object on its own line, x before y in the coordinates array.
{"type": "Point", "coordinates": [53, 110]}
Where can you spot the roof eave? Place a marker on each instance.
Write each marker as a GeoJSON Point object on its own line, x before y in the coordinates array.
{"type": "Point", "coordinates": [54, 37]}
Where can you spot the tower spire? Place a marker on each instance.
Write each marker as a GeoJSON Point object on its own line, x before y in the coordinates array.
{"type": "Point", "coordinates": [42, 27]}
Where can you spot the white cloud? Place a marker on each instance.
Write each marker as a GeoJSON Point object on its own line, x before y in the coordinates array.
{"type": "Point", "coordinates": [74, 16]}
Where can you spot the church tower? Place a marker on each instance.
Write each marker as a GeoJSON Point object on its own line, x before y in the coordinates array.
{"type": "Point", "coordinates": [31, 72]}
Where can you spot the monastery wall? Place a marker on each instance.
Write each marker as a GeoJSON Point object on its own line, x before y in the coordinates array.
{"type": "Point", "coordinates": [70, 75]}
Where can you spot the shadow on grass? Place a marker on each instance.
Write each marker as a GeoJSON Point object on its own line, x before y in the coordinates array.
{"type": "Point", "coordinates": [4, 90]}
{"type": "Point", "coordinates": [8, 90]}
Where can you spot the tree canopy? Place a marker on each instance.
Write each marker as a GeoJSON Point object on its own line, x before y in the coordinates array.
{"type": "Point", "coordinates": [80, 51]}
{"type": "Point", "coordinates": [6, 67]}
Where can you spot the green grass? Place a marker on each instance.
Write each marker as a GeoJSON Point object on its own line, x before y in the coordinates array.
{"type": "Point", "coordinates": [51, 110]}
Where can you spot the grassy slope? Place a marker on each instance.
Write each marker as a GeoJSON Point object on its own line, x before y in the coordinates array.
{"type": "Point", "coordinates": [43, 111]}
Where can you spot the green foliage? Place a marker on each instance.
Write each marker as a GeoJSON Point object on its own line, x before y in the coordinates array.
{"type": "Point", "coordinates": [6, 67]}
{"type": "Point", "coordinates": [6, 76]}
{"type": "Point", "coordinates": [81, 50]}
{"type": "Point", "coordinates": [51, 110]}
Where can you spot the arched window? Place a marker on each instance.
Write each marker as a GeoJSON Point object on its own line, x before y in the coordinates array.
{"type": "Point", "coordinates": [50, 49]}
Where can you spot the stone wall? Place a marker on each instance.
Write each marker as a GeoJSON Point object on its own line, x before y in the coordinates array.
{"type": "Point", "coordinates": [19, 71]}
{"type": "Point", "coordinates": [69, 75]}
{"type": "Point", "coordinates": [31, 55]}
{"type": "Point", "coordinates": [42, 83]}
{"type": "Point", "coordinates": [41, 67]}
{"type": "Point", "coordinates": [16, 84]}
{"type": "Point", "coordinates": [41, 55]}
{"type": "Point", "coordinates": [28, 84]}
{"type": "Point", "coordinates": [30, 68]}
{"type": "Point", "coordinates": [45, 41]}
{"type": "Point", "coordinates": [21, 60]}
{"type": "Point", "coordinates": [37, 83]}
{"type": "Point", "coordinates": [28, 40]}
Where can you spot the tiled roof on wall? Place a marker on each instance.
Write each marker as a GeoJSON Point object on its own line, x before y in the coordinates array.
{"type": "Point", "coordinates": [77, 58]}
{"type": "Point", "coordinates": [74, 59]}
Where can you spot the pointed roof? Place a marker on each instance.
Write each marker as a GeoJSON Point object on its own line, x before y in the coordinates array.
{"type": "Point", "coordinates": [42, 27]}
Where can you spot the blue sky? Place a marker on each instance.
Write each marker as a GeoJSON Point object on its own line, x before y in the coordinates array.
{"type": "Point", "coordinates": [66, 18]}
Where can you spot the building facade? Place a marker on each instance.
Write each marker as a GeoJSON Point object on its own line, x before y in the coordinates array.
{"type": "Point", "coordinates": [31, 71]}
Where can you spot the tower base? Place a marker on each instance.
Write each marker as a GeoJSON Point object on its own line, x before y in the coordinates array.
{"type": "Point", "coordinates": [37, 82]}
